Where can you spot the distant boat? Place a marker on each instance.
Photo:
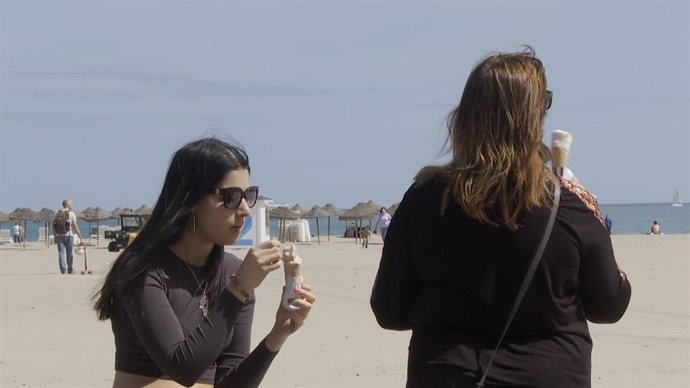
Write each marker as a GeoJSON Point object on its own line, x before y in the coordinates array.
{"type": "Point", "coordinates": [676, 199]}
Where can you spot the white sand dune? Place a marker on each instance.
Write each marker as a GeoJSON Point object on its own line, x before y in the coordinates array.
{"type": "Point", "coordinates": [50, 336]}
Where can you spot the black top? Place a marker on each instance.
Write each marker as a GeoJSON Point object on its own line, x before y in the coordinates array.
{"type": "Point", "coordinates": [453, 280]}
{"type": "Point", "coordinates": [165, 335]}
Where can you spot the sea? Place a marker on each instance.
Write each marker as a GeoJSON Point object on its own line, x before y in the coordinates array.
{"type": "Point", "coordinates": [627, 219]}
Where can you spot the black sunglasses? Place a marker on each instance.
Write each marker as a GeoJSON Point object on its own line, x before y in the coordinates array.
{"type": "Point", "coordinates": [549, 99]}
{"type": "Point", "coordinates": [232, 196]}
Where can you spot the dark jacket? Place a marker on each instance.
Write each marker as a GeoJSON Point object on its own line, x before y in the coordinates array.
{"type": "Point", "coordinates": [453, 280]}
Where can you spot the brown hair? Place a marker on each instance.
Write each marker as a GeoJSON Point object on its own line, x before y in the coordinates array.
{"type": "Point", "coordinates": [495, 134]}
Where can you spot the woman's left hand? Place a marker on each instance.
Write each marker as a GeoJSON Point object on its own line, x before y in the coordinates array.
{"type": "Point", "coordinates": [289, 321]}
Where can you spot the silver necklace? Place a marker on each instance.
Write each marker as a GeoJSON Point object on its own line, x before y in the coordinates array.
{"type": "Point", "coordinates": [203, 302]}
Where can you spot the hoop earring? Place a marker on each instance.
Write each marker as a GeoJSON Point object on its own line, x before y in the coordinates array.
{"type": "Point", "coordinates": [193, 225]}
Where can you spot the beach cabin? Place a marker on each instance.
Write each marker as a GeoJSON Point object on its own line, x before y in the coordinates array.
{"type": "Point", "coordinates": [256, 228]}
{"type": "Point", "coordinates": [298, 231]}
{"type": "Point", "coordinates": [5, 236]}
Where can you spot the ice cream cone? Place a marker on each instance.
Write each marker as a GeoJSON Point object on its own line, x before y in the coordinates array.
{"type": "Point", "coordinates": [560, 147]}
{"type": "Point", "coordinates": [292, 264]}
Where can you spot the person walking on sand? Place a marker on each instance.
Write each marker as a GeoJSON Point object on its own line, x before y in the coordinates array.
{"type": "Point", "coordinates": [608, 223]}
{"type": "Point", "coordinates": [65, 228]}
{"type": "Point", "coordinates": [383, 222]}
{"type": "Point", "coordinates": [465, 234]}
{"type": "Point", "coordinates": [181, 308]}
{"type": "Point", "coordinates": [17, 233]}
{"type": "Point", "coordinates": [656, 228]}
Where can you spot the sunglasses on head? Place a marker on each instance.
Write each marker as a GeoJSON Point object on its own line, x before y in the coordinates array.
{"type": "Point", "coordinates": [549, 99]}
{"type": "Point", "coordinates": [232, 196]}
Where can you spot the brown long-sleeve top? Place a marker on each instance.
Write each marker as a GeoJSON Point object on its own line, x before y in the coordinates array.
{"type": "Point", "coordinates": [165, 335]}
{"type": "Point", "coordinates": [453, 280]}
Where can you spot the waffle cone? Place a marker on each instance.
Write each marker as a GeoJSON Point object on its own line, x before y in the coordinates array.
{"type": "Point", "coordinates": [560, 157]}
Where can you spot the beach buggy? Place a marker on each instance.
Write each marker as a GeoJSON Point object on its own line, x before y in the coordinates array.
{"type": "Point", "coordinates": [130, 226]}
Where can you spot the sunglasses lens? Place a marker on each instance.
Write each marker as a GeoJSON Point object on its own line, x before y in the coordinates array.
{"type": "Point", "coordinates": [251, 196]}
{"type": "Point", "coordinates": [233, 199]}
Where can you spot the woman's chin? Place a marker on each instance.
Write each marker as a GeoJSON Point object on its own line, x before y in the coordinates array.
{"type": "Point", "coordinates": [232, 236]}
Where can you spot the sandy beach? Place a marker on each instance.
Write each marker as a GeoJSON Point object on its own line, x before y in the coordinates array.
{"type": "Point", "coordinates": [50, 336]}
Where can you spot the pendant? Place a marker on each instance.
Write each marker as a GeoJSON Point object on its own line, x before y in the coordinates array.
{"type": "Point", "coordinates": [203, 304]}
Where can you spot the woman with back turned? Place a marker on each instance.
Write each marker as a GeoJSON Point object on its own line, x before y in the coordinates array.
{"type": "Point", "coordinates": [465, 233]}
{"type": "Point", "coordinates": [181, 308]}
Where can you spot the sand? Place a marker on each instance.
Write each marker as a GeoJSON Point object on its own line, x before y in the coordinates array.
{"type": "Point", "coordinates": [50, 336]}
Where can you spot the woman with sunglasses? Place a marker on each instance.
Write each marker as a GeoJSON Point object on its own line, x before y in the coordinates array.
{"type": "Point", "coordinates": [464, 235]}
{"type": "Point", "coordinates": [181, 308]}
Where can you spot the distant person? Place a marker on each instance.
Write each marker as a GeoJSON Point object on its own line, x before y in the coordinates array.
{"type": "Point", "coordinates": [65, 228]}
{"type": "Point", "coordinates": [608, 223]}
{"type": "Point", "coordinates": [22, 234]}
{"type": "Point", "coordinates": [656, 228]}
{"type": "Point", "coordinates": [181, 308]}
{"type": "Point", "coordinates": [383, 222]}
{"type": "Point", "coordinates": [465, 234]}
{"type": "Point", "coordinates": [17, 233]}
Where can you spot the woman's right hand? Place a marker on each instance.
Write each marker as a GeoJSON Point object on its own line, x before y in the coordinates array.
{"type": "Point", "coordinates": [260, 260]}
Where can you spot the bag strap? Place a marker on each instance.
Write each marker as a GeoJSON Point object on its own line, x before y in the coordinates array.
{"type": "Point", "coordinates": [530, 273]}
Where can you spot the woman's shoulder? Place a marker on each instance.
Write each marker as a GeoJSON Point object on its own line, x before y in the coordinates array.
{"type": "Point", "coordinates": [577, 198]}
{"type": "Point", "coordinates": [422, 193]}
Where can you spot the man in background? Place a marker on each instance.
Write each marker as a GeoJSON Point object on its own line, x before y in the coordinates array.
{"type": "Point", "coordinates": [64, 227]}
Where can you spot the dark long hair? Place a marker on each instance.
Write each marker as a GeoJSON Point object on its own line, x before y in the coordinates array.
{"type": "Point", "coordinates": [495, 133]}
{"type": "Point", "coordinates": [194, 169]}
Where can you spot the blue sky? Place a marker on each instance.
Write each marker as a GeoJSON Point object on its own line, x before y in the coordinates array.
{"type": "Point", "coordinates": [335, 102]}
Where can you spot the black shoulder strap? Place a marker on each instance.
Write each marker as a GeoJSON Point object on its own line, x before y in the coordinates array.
{"type": "Point", "coordinates": [530, 273]}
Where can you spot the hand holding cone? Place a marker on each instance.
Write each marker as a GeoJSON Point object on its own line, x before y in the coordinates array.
{"type": "Point", "coordinates": [293, 276]}
{"type": "Point", "coordinates": [560, 151]}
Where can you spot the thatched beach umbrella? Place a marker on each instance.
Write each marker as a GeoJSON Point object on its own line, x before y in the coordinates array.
{"type": "Point", "coordinates": [374, 206]}
{"type": "Point", "coordinates": [46, 215]}
{"type": "Point", "coordinates": [393, 208]}
{"type": "Point", "coordinates": [95, 215]}
{"type": "Point", "coordinates": [4, 218]}
{"type": "Point", "coordinates": [359, 212]}
{"type": "Point", "coordinates": [115, 214]}
{"type": "Point", "coordinates": [298, 209]}
{"type": "Point", "coordinates": [282, 213]}
{"type": "Point", "coordinates": [143, 210]}
{"type": "Point", "coordinates": [80, 215]}
{"type": "Point", "coordinates": [23, 214]}
{"type": "Point", "coordinates": [332, 211]}
{"type": "Point", "coordinates": [317, 212]}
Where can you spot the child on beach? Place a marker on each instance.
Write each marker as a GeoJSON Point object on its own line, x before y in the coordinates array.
{"type": "Point", "coordinates": [453, 280]}
{"type": "Point", "coordinates": [181, 307]}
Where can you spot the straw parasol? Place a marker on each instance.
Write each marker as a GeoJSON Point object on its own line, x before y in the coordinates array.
{"type": "Point", "coordinates": [95, 215]}
{"type": "Point", "coordinates": [393, 208]}
{"type": "Point", "coordinates": [332, 211]}
{"type": "Point", "coordinates": [282, 213]}
{"type": "Point", "coordinates": [359, 212]}
{"type": "Point", "coordinates": [115, 214]}
{"type": "Point", "coordinates": [317, 212]}
{"type": "Point", "coordinates": [298, 209]}
{"type": "Point", "coordinates": [46, 215]}
{"type": "Point", "coordinates": [143, 210]}
{"type": "Point", "coordinates": [4, 218]}
{"type": "Point", "coordinates": [374, 206]}
{"type": "Point", "coordinates": [23, 214]}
